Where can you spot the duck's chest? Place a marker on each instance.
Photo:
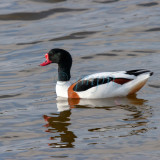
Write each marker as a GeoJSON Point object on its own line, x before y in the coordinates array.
{"type": "Point", "coordinates": [62, 88]}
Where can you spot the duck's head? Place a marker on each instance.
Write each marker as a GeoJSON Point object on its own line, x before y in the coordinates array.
{"type": "Point", "coordinates": [59, 56]}
{"type": "Point", "coordinates": [63, 59]}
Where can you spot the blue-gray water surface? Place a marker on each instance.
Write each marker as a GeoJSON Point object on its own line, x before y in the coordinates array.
{"type": "Point", "coordinates": [101, 35]}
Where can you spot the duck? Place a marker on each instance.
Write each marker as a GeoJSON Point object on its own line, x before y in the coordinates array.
{"type": "Point", "coordinates": [97, 85]}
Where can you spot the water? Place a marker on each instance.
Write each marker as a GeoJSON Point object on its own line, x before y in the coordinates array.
{"type": "Point", "coordinates": [101, 35]}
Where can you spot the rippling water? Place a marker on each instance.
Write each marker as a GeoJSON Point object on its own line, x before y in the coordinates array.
{"type": "Point", "coordinates": [101, 35]}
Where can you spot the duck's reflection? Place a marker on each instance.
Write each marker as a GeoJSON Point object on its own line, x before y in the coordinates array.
{"type": "Point", "coordinates": [67, 104]}
{"type": "Point", "coordinates": [58, 123]}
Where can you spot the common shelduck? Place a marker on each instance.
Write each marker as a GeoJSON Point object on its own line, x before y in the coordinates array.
{"type": "Point", "coordinates": [94, 86]}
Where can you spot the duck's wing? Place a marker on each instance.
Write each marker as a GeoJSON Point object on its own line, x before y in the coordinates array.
{"type": "Point", "coordinates": [120, 77]}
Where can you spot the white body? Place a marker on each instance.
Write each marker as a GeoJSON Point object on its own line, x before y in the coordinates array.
{"type": "Point", "coordinates": [107, 90]}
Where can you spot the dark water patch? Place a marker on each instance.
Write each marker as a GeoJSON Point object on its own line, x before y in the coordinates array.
{"type": "Point", "coordinates": [87, 57]}
{"type": "Point", "coordinates": [99, 54]}
{"type": "Point", "coordinates": [143, 51]}
{"type": "Point", "coordinates": [153, 30]}
{"type": "Point", "coordinates": [82, 107]}
{"type": "Point", "coordinates": [117, 50]}
{"type": "Point", "coordinates": [107, 1]}
{"type": "Point", "coordinates": [78, 35]}
{"type": "Point", "coordinates": [29, 43]}
{"type": "Point", "coordinates": [27, 16]}
{"type": "Point", "coordinates": [88, 106]}
{"type": "Point", "coordinates": [9, 96]}
{"type": "Point", "coordinates": [150, 4]}
{"type": "Point", "coordinates": [131, 55]}
{"type": "Point", "coordinates": [94, 129]}
{"type": "Point", "coordinates": [10, 137]}
{"type": "Point", "coordinates": [48, 1]}
{"type": "Point", "coordinates": [27, 71]}
{"type": "Point", "coordinates": [154, 86]}
{"type": "Point", "coordinates": [92, 143]}
{"type": "Point", "coordinates": [58, 156]}
{"type": "Point", "coordinates": [106, 54]}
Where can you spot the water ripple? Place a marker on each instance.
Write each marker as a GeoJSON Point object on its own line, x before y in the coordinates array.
{"type": "Point", "coordinates": [28, 16]}
{"type": "Point", "coordinates": [77, 35]}
{"type": "Point", "coordinates": [149, 4]}
{"type": "Point", "coordinates": [153, 30]}
{"type": "Point", "coordinates": [49, 1]}
{"type": "Point", "coordinates": [35, 42]}
{"type": "Point", "coordinates": [9, 96]}
{"type": "Point", "coordinates": [107, 1]}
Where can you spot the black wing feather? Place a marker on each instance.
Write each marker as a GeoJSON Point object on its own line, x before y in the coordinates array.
{"type": "Point", "coordinates": [138, 72]}
{"type": "Point", "coordinates": [83, 85]}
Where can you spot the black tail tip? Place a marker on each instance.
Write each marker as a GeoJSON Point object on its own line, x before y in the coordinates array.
{"type": "Point", "coordinates": [151, 73]}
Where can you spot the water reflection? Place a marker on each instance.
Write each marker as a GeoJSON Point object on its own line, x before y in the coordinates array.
{"type": "Point", "coordinates": [59, 123]}
{"type": "Point", "coordinates": [66, 104]}
{"type": "Point", "coordinates": [134, 122]}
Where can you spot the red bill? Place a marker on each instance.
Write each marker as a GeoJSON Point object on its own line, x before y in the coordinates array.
{"type": "Point", "coordinates": [47, 60]}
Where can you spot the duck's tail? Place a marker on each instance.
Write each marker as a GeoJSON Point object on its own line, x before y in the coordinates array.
{"type": "Point", "coordinates": [140, 80]}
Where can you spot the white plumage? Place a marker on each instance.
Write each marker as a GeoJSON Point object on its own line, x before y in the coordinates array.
{"type": "Point", "coordinates": [111, 89]}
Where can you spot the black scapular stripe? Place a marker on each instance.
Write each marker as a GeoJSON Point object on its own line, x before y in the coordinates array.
{"type": "Point", "coordinates": [83, 85]}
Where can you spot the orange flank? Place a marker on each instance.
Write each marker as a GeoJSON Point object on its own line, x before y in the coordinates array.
{"type": "Point", "coordinates": [72, 93]}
